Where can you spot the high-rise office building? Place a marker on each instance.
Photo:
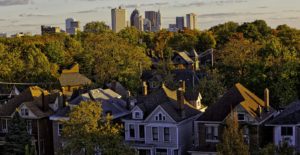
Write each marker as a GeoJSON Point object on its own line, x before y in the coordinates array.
{"type": "Point", "coordinates": [180, 23]}
{"type": "Point", "coordinates": [72, 26]}
{"type": "Point", "coordinates": [155, 19]}
{"type": "Point", "coordinates": [147, 25]}
{"type": "Point", "coordinates": [191, 21]}
{"type": "Point", "coordinates": [136, 20]}
{"type": "Point", "coordinates": [118, 19]}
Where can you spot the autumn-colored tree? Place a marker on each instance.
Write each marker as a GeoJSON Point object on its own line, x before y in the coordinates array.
{"type": "Point", "coordinates": [96, 27]}
{"type": "Point", "coordinates": [232, 142]}
{"type": "Point", "coordinates": [87, 129]}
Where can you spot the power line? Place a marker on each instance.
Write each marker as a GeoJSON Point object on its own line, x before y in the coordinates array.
{"type": "Point", "coordinates": [20, 83]}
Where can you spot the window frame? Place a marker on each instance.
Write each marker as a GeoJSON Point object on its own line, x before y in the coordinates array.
{"type": "Point", "coordinates": [155, 134]}
{"type": "Point", "coordinates": [213, 135]}
{"type": "Point", "coordinates": [131, 131]}
{"type": "Point", "coordinates": [167, 134]}
{"type": "Point", "coordinates": [285, 131]}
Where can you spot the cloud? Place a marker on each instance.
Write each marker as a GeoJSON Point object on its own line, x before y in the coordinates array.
{"type": "Point", "coordinates": [33, 15]}
{"type": "Point", "coordinates": [86, 11]}
{"type": "Point", "coordinates": [13, 2]}
{"type": "Point", "coordinates": [232, 14]}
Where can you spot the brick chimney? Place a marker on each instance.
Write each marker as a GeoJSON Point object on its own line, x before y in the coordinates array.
{"type": "Point", "coordinates": [114, 85]}
{"type": "Point", "coordinates": [180, 100]}
{"type": "Point", "coordinates": [45, 101]}
{"type": "Point", "coordinates": [267, 99]}
{"type": "Point", "coordinates": [145, 88]}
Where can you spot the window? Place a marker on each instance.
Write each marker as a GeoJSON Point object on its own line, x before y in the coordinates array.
{"type": "Point", "coordinates": [131, 131]}
{"type": "Point", "coordinates": [29, 126]}
{"type": "Point", "coordinates": [24, 112]}
{"type": "Point", "coordinates": [161, 152]}
{"type": "Point", "coordinates": [137, 115]}
{"type": "Point", "coordinates": [142, 131]}
{"type": "Point", "coordinates": [175, 152]}
{"type": "Point", "coordinates": [241, 117]}
{"type": "Point", "coordinates": [246, 135]}
{"type": "Point", "coordinates": [286, 131]}
{"type": "Point", "coordinates": [211, 133]}
{"type": "Point", "coordinates": [60, 129]}
{"type": "Point", "coordinates": [160, 117]}
{"type": "Point", "coordinates": [4, 125]}
{"type": "Point", "coordinates": [154, 133]}
{"type": "Point", "coordinates": [166, 134]}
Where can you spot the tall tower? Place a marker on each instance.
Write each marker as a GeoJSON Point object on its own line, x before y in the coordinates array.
{"type": "Point", "coordinates": [155, 19]}
{"type": "Point", "coordinates": [136, 20]}
{"type": "Point", "coordinates": [118, 19]}
{"type": "Point", "coordinates": [180, 23]}
{"type": "Point", "coordinates": [191, 21]}
{"type": "Point", "coordinates": [72, 26]}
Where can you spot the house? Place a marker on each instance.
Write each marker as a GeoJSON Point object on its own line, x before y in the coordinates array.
{"type": "Point", "coordinates": [286, 126]}
{"type": "Point", "coordinates": [35, 106]}
{"type": "Point", "coordinates": [182, 60]}
{"type": "Point", "coordinates": [161, 123]}
{"type": "Point", "coordinates": [71, 80]}
{"type": "Point", "coordinates": [111, 104]}
{"type": "Point", "coordinates": [252, 113]}
{"type": "Point", "coordinates": [191, 80]}
{"type": "Point", "coordinates": [8, 93]}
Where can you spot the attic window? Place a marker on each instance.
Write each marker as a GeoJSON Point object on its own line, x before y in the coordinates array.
{"type": "Point", "coordinates": [241, 117]}
{"type": "Point", "coordinates": [24, 112]}
{"type": "Point", "coordinates": [137, 115]}
{"type": "Point", "coordinates": [160, 117]}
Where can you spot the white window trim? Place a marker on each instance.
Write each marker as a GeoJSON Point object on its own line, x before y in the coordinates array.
{"type": "Point", "coordinates": [157, 134]}
{"type": "Point", "coordinates": [129, 136]}
{"type": "Point", "coordinates": [243, 115]}
{"type": "Point", "coordinates": [169, 140]}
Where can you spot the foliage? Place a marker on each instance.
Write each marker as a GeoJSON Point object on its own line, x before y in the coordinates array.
{"type": "Point", "coordinates": [17, 137]}
{"type": "Point", "coordinates": [206, 41]}
{"type": "Point", "coordinates": [88, 130]}
{"type": "Point", "coordinates": [211, 88]}
{"type": "Point", "coordinates": [96, 27]}
{"type": "Point", "coordinates": [232, 138]}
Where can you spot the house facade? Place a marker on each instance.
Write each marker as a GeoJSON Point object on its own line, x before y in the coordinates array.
{"type": "Point", "coordinates": [161, 123]}
{"type": "Point", "coordinates": [252, 113]}
{"type": "Point", "coordinates": [35, 105]}
{"type": "Point", "coordinates": [286, 126]}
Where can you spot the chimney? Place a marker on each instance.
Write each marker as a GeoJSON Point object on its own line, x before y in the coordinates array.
{"type": "Point", "coordinates": [114, 85]}
{"type": "Point", "coordinates": [182, 85]}
{"type": "Point", "coordinates": [180, 100]}
{"type": "Point", "coordinates": [45, 101]}
{"type": "Point", "coordinates": [266, 99]}
{"type": "Point", "coordinates": [259, 110]}
{"type": "Point", "coordinates": [145, 88]}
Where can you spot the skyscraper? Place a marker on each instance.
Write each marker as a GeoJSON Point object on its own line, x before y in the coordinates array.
{"type": "Point", "coordinates": [155, 19]}
{"type": "Point", "coordinates": [191, 21]}
{"type": "Point", "coordinates": [180, 23]}
{"type": "Point", "coordinates": [118, 19]}
{"type": "Point", "coordinates": [72, 26]}
{"type": "Point", "coordinates": [136, 20]}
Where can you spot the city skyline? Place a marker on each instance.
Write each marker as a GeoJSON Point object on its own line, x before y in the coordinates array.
{"type": "Point", "coordinates": [28, 15]}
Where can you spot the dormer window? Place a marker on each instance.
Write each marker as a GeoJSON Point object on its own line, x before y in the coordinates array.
{"type": "Point", "coordinates": [137, 115]}
{"type": "Point", "coordinates": [24, 112]}
{"type": "Point", "coordinates": [241, 117]}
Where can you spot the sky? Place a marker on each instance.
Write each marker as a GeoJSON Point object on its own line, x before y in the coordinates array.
{"type": "Point", "coordinates": [29, 15]}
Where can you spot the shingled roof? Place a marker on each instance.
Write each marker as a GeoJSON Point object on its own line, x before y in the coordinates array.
{"type": "Point", "coordinates": [289, 116]}
{"type": "Point", "coordinates": [167, 99]}
{"type": "Point", "coordinates": [73, 79]}
{"type": "Point", "coordinates": [237, 95]}
{"type": "Point", "coordinates": [185, 57]}
{"type": "Point", "coordinates": [6, 110]}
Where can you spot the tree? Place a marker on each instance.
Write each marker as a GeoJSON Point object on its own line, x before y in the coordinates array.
{"type": "Point", "coordinates": [211, 88]}
{"type": "Point", "coordinates": [206, 41]}
{"type": "Point", "coordinates": [232, 139]}
{"type": "Point", "coordinates": [96, 27]}
{"type": "Point", "coordinates": [131, 34]}
{"type": "Point", "coordinates": [55, 52]}
{"type": "Point", "coordinates": [88, 130]}
{"type": "Point", "coordinates": [224, 32]}
{"type": "Point", "coordinates": [17, 138]}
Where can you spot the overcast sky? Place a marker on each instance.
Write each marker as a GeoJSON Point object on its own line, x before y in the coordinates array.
{"type": "Point", "coordinates": [28, 15]}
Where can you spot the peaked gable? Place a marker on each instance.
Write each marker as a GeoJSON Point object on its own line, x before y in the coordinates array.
{"type": "Point", "coordinates": [159, 115]}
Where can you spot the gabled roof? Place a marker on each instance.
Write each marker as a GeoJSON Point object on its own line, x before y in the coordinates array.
{"type": "Point", "coordinates": [111, 101]}
{"type": "Point", "coordinates": [120, 89]}
{"type": "Point", "coordinates": [289, 116]}
{"type": "Point", "coordinates": [237, 95]}
{"type": "Point", "coordinates": [73, 79]}
{"type": "Point", "coordinates": [36, 110]}
{"type": "Point", "coordinates": [185, 57]}
{"type": "Point", "coordinates": [167, 99]}
{"type": "Point", "coordinates": [31, 93]}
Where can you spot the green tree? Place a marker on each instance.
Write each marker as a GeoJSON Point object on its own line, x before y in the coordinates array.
{"type": "Point", "coordinates": [131, 34]}
{"type": "Point", "coordinates": [55, 52]}
{"type": "Point", "coordinates": [206, 41]}
{"type": "Point", "coordinates": [224, 32]}
{"type": "Point", "coordinates": [232, 139]}
{"type": "Point", "coordinates": [211, 88]}
{"type": "Point", "coordinates": [96, 27]}
{"type": "Point", "coordinates": [88, 130]}
{"type": "Point", "coordinates": [17, 137]}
